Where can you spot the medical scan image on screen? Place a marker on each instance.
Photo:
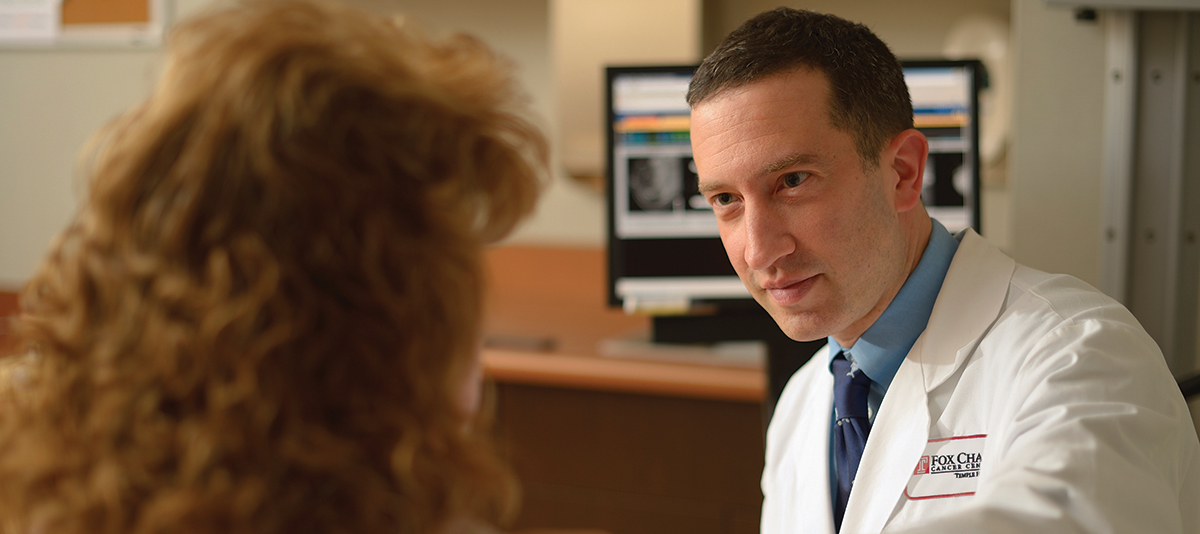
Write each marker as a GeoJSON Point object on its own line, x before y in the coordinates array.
{"type": "Point", "coordinates": [659, 184]}
{"type": "Point", "coordinates": [652, 155]}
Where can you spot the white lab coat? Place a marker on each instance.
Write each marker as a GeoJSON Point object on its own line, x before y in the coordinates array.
{"type": "Point", "coordinates": [1079, 423]}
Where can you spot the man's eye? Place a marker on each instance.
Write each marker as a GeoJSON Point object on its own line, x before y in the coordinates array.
{"type": "Point", "coordinates": [794, 179]}
{"type": "Point", "coordinates": [722, 199]}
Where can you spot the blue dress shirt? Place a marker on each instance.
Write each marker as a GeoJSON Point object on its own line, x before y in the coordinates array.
{"type": "Point", "coordinates": [882, 348]}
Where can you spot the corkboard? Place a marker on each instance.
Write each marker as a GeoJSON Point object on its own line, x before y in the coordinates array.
{"type": "Point", "coordinates": [105, 12]}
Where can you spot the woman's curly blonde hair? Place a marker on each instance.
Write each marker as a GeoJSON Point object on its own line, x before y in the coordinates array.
{"type": "Point", "coordinates": [262, 317]}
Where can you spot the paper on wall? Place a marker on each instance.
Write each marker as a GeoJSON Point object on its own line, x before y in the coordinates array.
{"type": "Point", "coordinates": [30, 21]}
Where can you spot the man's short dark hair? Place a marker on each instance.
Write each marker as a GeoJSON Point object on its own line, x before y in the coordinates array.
{"type": "Point", "coordinates": [868, 96]}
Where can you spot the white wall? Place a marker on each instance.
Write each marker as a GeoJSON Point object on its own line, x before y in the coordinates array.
{"type": "Point", "coordinates": [588, 35]}
{"type": "Point", "coordinates": [50, 103]}
{"type": "Point", "coordinates": [1055, 164]}
{"type": "Point", "coordinates": [912, 28]}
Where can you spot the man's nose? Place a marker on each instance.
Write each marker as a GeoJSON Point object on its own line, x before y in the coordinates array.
{"type": "Point", "coordinates": [767, 237]}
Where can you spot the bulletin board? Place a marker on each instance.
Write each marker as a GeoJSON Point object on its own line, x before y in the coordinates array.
{"type": "Point", "coordinates": [134, 23]}
{"type": "Point", "coordinates": [91, 12]}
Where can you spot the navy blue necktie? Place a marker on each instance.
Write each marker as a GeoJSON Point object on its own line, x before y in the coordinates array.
{"type": "Point", "coordinates": [853, 425]}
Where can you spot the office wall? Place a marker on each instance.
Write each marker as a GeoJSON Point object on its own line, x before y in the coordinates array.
{"type": "Point", "coordinates": [588, 35]}
{"type": "Point", "coordinates": [1046, 213]}
{"type": "Point", "coordinates": [51, 100]}
{"type": "Point", "coordinates": [912, 28]}
{"type": "Point", "coordinates": [50, 103]}
{"type": "Point", "coordinates": [1055, 165]}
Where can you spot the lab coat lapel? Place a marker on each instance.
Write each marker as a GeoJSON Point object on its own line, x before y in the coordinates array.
{"type": "Point", "coordinates": [971, 297]}
{"type": "Point", "coordinates": [814, 502]}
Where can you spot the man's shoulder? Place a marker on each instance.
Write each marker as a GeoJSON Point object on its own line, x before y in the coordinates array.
{"type": "Point", "coordinates": [1053, 298]}
{"type": "Point", "coordinates": [1049, 320]}
{"type": "Point", "coordinates": [1037, 311]}
{"type": "Point", "coordinates": [1062, 298]}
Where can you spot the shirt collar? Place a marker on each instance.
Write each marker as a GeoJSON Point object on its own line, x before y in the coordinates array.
{"type": "Point", "coordinates": [883, 347]}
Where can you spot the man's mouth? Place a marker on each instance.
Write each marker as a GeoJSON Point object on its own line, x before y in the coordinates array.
{"type": "Point", "coordinates": [787, 292]}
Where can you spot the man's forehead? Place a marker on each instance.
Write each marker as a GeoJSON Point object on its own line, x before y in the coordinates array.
{"type": "Point", "coordinates": [785, 101]}
{"type": "Point", "coordinates": [779, 104]}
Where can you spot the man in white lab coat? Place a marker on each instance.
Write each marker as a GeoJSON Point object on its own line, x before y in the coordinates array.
{"type": "Point", "coordinates": [1001, 399]}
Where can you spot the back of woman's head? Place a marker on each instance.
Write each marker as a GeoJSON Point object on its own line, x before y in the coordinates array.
{"type": "Point", "coordinates": [262, 316]}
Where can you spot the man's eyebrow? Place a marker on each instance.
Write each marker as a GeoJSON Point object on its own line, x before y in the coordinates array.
{"type": "Point", "coordinates": [705, 187]}
{"type": "Point", "coordinates": [799, 158]}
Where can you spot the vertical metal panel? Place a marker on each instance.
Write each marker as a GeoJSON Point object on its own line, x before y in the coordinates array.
{"type": "Point", "coordinates": [1188, 293]}
{"type": "Point", "coordinates": [1163, 276]}
{"type": "Point", "coordinates": [1120, 92]}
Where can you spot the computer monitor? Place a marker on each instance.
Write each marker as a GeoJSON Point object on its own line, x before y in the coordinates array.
{"type": "Point", "coordinates": [663, 249]}
{"type": "Point", "coordinates": [664, 253]}
{"type": "Point", "coordinates": [945, 98]}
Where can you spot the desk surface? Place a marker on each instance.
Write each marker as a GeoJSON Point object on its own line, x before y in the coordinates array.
{"type": "Point", "coordinates": [546, 315]}
{"type": "Point", "coordinates": [8, 309]}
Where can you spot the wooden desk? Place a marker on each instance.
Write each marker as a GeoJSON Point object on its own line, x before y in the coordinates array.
{"type": "Point", "coordinates": [547, 314]}
{"type": "Point", "coordinates": [8, 309]}
{"type": "Point", "coordinates": [626, 446]}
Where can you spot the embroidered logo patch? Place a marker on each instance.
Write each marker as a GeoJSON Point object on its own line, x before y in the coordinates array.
{"type": "Point", "coordinates": [948, 468]}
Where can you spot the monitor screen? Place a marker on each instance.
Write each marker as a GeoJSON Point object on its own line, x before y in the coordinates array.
{"type": "Point", "coordinates": [664, 252]}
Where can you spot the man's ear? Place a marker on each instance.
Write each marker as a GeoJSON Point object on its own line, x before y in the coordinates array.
{"type": "Point", "coordinates": [908, 150]}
